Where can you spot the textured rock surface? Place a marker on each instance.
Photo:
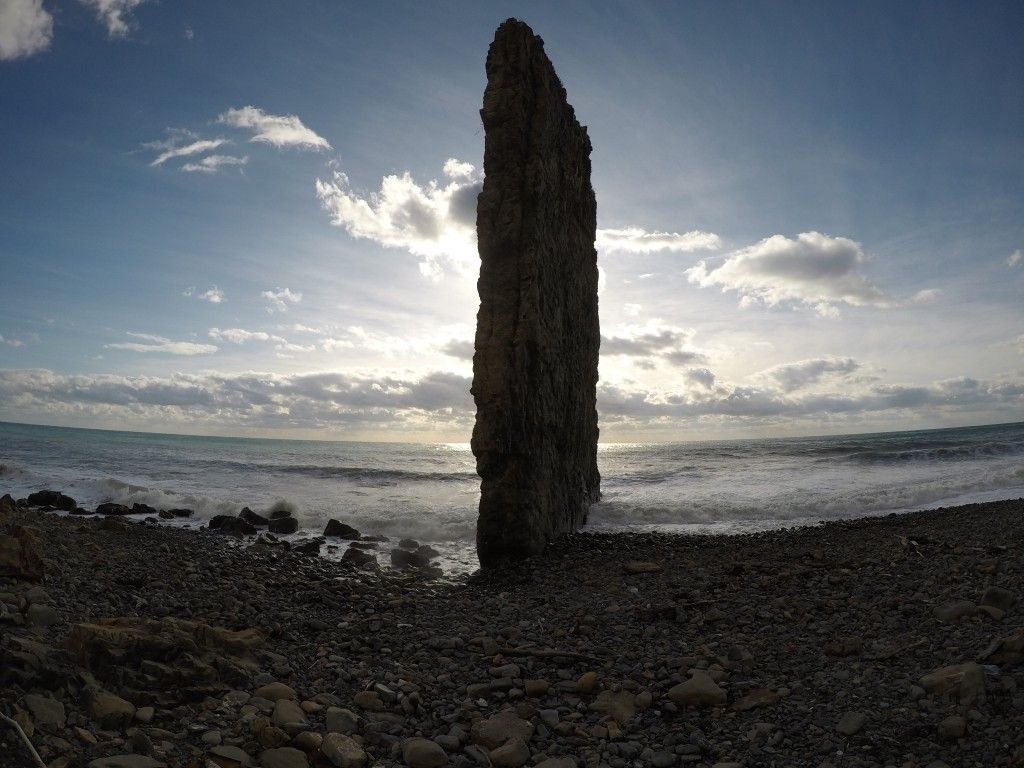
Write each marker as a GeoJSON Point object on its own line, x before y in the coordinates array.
{"type": "Point", "coordinates": [537, 337]}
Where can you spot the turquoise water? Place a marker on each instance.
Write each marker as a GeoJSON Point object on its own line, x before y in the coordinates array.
{"type": "Point", "coordinates": [429, 491]}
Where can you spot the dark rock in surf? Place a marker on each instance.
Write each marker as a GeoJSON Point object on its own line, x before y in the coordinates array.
{"type": "Point", "coordinates": [217, 520]}
{"type": "Point", "coordinates": [277, 514]}
{"type": "Point", "coordinates": [253, 518]}
{"type": "Point", "coordinates": [357, 557]}
{"type": "Point", "coordinates": [54, 499]}
{"type": "Point", "coordinates": [403, 558]}
{"type": "Point", "coordinates": [181, 512]}
{"type": "Point", "coordinates": [283, 525]}
{"type": "Point", "coordinates": [110, 508]}
{"type": "Point", "coordinates": [538, 334]}
{"type": "Point", "coordinates": [341, 530]}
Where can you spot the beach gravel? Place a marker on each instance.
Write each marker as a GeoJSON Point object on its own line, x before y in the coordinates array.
{"type": "Point", "coordinates": [891, 641]}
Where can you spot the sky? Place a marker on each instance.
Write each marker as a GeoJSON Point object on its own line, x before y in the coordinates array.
{"type": "Point", "coordinates": [257, 218]}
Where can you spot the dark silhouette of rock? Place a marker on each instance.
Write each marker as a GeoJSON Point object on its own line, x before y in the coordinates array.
{"type": "Point", "coordinates": [538, 334]}
{"type": "Point", "coordinates": [54, 499]}
{"type": "Point", "coordinates": [287, 524]}
{"type": "Point", "coordinates": [111, 508]}
{"type": "Point", "coordinates": [253, 518]}
{"type": "Point", "coordinates": [341, 530]}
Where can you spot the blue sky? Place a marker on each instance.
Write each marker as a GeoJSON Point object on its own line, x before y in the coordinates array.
{"type": "Point", "coordinates": [811, 215]}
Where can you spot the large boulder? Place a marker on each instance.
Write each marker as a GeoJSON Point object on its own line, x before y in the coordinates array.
{"type": "Point", "coordinates": [283, 525]}
{"type": "Point", "coordinates": [537, 334]}
{"type": "Point", "coordinates": [340, 530]}
{"type": "Point", "coordinates": [21, 555]}
{"type": "Point", "coordinates": [54, 499]}
{"type": "Point", "coordinates": [164, 661]}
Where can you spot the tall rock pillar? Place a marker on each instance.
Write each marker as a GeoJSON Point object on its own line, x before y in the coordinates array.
{"type": "Point", "coordinates": [537, 333]}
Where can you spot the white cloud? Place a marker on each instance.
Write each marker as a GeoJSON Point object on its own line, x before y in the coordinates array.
{"type": "Point", "coordinates": [278, 130]}
{"type": "Point", "coordinates": [159, 344]}
{"type": "Point", "coordinates": [814, 269]}
{"type": "Point", "coordinates": [25, 28]}
{"type": "Point", "coordinates": [1015, 258]}
{"type": "Point", "coordinates": [433, 221]}
{"type": "Point", "coordinates": [9, 342]}
{"type": "Point", "coordinates": [792, 376]}
{"type": "Point", "coordinates": [172, 148]}
{"type": "Point", "coordinates": [214, 295]}
{"type": "Point", "coordinates": [457, 169]}
{"type": "Point", "coordinates": [238, 335]}
{"type": "Point", "coordinates": [213, 163]}
{"type": "Point", "coordinates": [114, 14]}
{"type": "Point", "coordinates": [631, 310]}
{"type": "Point", "coordinates": [279, 298]}
{"type": "Point", "coordinates": [926, 295]}
{"type": "Point", "coordinates": [636, 240]}
{"type": "Point", "coordinates": [189, 33]}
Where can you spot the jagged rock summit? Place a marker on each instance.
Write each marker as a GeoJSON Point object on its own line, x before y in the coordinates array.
{"type": "Point", "coordinates": [538, 334]}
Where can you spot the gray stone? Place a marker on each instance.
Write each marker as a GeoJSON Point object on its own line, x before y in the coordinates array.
{"type": "Point", "coordinates": [287, 712]}
{"type": "Point", "coordinates": [108, 710]}
{"type": "Point", "coordinates": [512, 754]}
{"type": "Point", "coordinates": [965, 682]}
{"type": "Point", "coordinates": [699, 690]}
{"type": "Point", "coordinates": [274, 692]}
{"type": "Point", "coordinates": [538, 334]}
{"type": "Point", "coordinates": [341, 720]}
{"type": "Point", "coordinates": [499, 728]}
{"type": "Point", "coordinates": [42, 615]}
{"type": "Point", "coordinates": [954, 611]}
{"type": "Point", "coordinates": [423, 753]}
{"type": "Point", "coordinates": [342, 751]}
{"type": "Point", "coordinates": [952, 728]}
{"type": "Point", "coordinates": [851, 723]}
{"type": "Point", "coordinates": [45, 711]}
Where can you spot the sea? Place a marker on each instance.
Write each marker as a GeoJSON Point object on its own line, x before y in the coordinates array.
{"type": "Point", "coordinates": [429, 491]}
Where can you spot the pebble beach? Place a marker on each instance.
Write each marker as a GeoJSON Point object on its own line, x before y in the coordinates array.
{"type": "Point", "coordinates": [888, 641]}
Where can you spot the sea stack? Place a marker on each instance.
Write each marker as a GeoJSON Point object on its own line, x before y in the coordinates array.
{"type": "Point", "coordinates": [537, 333]}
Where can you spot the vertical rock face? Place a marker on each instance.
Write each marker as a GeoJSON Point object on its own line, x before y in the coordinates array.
{"type": "Point", "coordinates": [537, 335]}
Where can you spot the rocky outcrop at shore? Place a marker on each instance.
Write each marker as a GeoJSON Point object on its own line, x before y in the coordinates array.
{"type": "Point", "coordinates": [537, 337]}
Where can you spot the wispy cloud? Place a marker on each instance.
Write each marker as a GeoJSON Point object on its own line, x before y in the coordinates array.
{"type": "Point", "coordinates": [238, 335]}
{"type": "Point", "coordinates": [278, 130]}
{"type": "Point", "coordinates": [9, 342]}
{"type": "Point", "coordinates": [1015, 258]}
{"type": "Point", "coordinates": [115, 15]}
{"type": "Point", "coordinates": [278, 299]}
{"type": "Point", "coordinates": [637, 240]}
{"type": "Point", "coordinates": [181, 143]}
{"type": "Point", "coordinates": [814, 269]}
{"type": "Point", "coordinates": [158, 344]}
{"type": "Point", "coordinates": [214, 295]}
{"type": "Point", "coordinates": [26, 28]}
{"type": "Point", "coordinates": [213, 163]}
